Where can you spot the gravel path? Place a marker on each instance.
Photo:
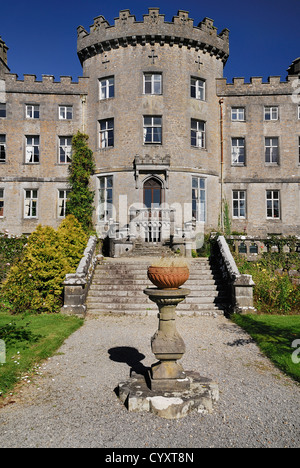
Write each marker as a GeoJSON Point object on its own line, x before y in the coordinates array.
{"type": "Point", "coordinates": [72, 402]}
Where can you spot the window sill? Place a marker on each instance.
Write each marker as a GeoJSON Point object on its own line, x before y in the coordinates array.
{"type": "Point", "coordinates": [238, 165]}
{"type": "Point", "coordinates": [198, 148]}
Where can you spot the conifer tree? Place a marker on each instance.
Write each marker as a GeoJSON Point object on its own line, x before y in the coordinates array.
{"type": "Point", "coordinates": [82, 167]}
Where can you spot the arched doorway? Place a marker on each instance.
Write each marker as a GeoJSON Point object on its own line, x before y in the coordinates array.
{"type": "Point", "coordinates": [152, 198]}
{"type": "Point", "coordinates": [152, 193]}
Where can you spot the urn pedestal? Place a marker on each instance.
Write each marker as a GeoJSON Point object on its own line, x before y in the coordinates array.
{"type": "Point", "coordinates": [168, 390]}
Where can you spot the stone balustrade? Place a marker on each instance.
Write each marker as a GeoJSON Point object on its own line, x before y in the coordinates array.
{"type": "Point", "coordinates": [240, 285]}
{"type": "Point", "coordinates": [76, 285]}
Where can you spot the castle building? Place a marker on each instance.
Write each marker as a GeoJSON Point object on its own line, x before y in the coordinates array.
{"type": "Point", "coordinates": [175, 145]}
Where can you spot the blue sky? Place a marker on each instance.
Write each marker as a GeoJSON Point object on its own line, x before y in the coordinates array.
{"type": "Point", "coordinates": [41, 36]}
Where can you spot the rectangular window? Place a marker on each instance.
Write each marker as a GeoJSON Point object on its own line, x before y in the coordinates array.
{"type": "Point", "coordinates": [62, 201]}
{"type": "Point", "coordinates": [106, 198]}
{"type": "Point", "coordinates": [2, 109]}
{"type": "Point", "coordinates": [107, 88]}
{"type": "Point", "coordinates": [198, 133]}
{"type": "Point", "coordinates": [239, 204]}
{"type": "Point", "coordinates": [238, 151]}
{"type": "Point", "coordinates": [198, 88]}
{"type": "Point", "coordinates": [298, 112]}
{"type": "Point", "coordinates": [271, 113]}
{"type": "Point", "coordinates": [65, 112]}
{"type": "Point", "coordinates": [32, 155]}
{"type": "Point", "coordinates": [30, 204]}
{"type": "Point", "coordinates": [1, 203]}
{"type": "Point", "coordinates": [198, 199]}
{"type": "Point", "coordinates": [272, 150]}
{"type": "Point", "coordinates": [238, 114]}
{"type": "Point", "coordinates": [152, 129]}
{"type": "Point", "coordinates": [152, 83]}
{"type": "Point", "coordinates": [32, 111]}
{"type": "Point", "coordinates": [106, 133]}
{"type": "Point", "coordinates": [65, 150]}
{"type": "Point", "coordinates": [299, 150]}
{"type": "Point", "coordinates": [2, 148]}
{"type": "Point", "coordinates": [273, 204]}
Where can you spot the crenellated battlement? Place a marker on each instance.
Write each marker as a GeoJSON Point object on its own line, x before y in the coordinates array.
{"type": "Point", "coordinates": [256, 86]}
{"type": "Point", "coordinates": [48, 85]}
{"type": "Point", "coordinates": [153, 29]}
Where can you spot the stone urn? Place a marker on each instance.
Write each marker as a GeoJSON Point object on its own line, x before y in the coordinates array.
{"type": "Point", "coordinates": [169, 273]}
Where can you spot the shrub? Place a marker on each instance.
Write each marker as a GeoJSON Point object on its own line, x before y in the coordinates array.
{"type": "Point", "coordinates": [11, 249]}
{"type": "Point", "coordinates": [274, 291]}
{"type": "Point", "coordinates": [34, 283]}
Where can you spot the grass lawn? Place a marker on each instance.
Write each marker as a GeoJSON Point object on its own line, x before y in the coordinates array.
{"type": "Point", "coordinates": [275, 335]}
{"type": "Point", "coordinates": [28, 340]}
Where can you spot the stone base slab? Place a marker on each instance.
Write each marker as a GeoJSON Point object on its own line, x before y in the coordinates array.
{"type": "Point", "coordinates": [170, 404]}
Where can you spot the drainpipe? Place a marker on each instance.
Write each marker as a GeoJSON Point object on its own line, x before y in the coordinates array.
{"type": "Point", "coordinates": [222, 163]}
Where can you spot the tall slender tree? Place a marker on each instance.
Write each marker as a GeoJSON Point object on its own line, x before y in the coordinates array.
{"type": "Point", "coordinates": [82, 167]}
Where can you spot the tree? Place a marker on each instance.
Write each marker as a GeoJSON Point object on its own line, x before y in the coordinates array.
{"type": "Point", "coordinates": [82, 167]}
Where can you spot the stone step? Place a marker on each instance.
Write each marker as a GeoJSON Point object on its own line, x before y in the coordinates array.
{"type": "Point", "coordinates": [127, 280]}
{"type": "Point", "coordinates": [112, 288]}
{"type": "Point", "coordinates": [126, 299]}
{"type": "Point", "coordinates": [142, 311]}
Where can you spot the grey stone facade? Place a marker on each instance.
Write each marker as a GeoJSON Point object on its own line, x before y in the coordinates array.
{"type": "Point", "coordinates": [165, 128]}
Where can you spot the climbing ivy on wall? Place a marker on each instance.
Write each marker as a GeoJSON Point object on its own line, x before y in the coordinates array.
{"type": "Point", "coordinates": [82, 167]}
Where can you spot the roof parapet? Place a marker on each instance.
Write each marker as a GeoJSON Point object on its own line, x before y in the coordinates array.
{"type": "Point", "coordinates": [256, 86]}
{"type": "Point", "coordinates": [153, 29]}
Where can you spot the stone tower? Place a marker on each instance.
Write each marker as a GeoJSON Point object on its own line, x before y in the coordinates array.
{"type": "Point", "coordinates": [3, 58]}
{"type": "Point", "coordinates": [153, 118]}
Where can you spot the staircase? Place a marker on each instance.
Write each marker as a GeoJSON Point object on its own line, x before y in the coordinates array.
{"type": "Point", "coordinates": [118, 285]}
{"type": "Point", "coordinates": [144, 249]}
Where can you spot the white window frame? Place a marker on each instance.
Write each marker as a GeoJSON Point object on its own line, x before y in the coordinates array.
{"type": "Point", "coordinates": [64, 149]}
{"type": "Point", "coordinates": [62, 201]}
{"type": "Point", "coordinates": [198, 134]}
{"type": "Point", "coordinates": [106, 133]}
{"type": "Point", "coordinates": [32, 149]}
{"type": "Point", "coordinates": [30, 203]}
{"type": "Point", "coordinates": [198, 88]}
{"type": "Point", "coordinates": [152, 126]}
{"type": "Point", "coordinates": [238, 151]}
{"type": "Point", "coordinates": [153, 81]}
{"type": "Point", "coordinates": [106, 88]}
{"type": "Point", "coordinates": [238, 114]}
{"type": "Point", "coordinates": [65, 112]}
{"type": "Point", "coordinates": [272, 150]}
{"type": "Point", "coordinates": [239, 204]}
{"type": "Point", "coordinates": [271, 202]}
{"type": "Point", "coordinates": [271, 113]}
{"type": "Point", "coordinates": [1, 203]}
{"type": "Point", "coordinates": [32, 111]}
{"type": "Point", "coordinates": [106, 185]}
{"type": "Point", "coordinates": [2, 148]}
{"type": "Point", "coordinates": [199, 198]}
{"type": "Point", "coordinates": [298, 112]}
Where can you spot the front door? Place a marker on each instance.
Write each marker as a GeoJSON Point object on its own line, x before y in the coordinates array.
{"type": "Point", "coordinates": [152, 201]}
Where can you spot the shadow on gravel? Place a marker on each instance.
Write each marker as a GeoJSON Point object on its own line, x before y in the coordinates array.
{"type": "Point", "coordinates": [241, 342]}
{"type": "Point", "coordinates": [130, 356]}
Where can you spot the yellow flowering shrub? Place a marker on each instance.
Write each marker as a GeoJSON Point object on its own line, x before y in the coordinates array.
{"type": "Point", "coordinates": [34, 283]}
